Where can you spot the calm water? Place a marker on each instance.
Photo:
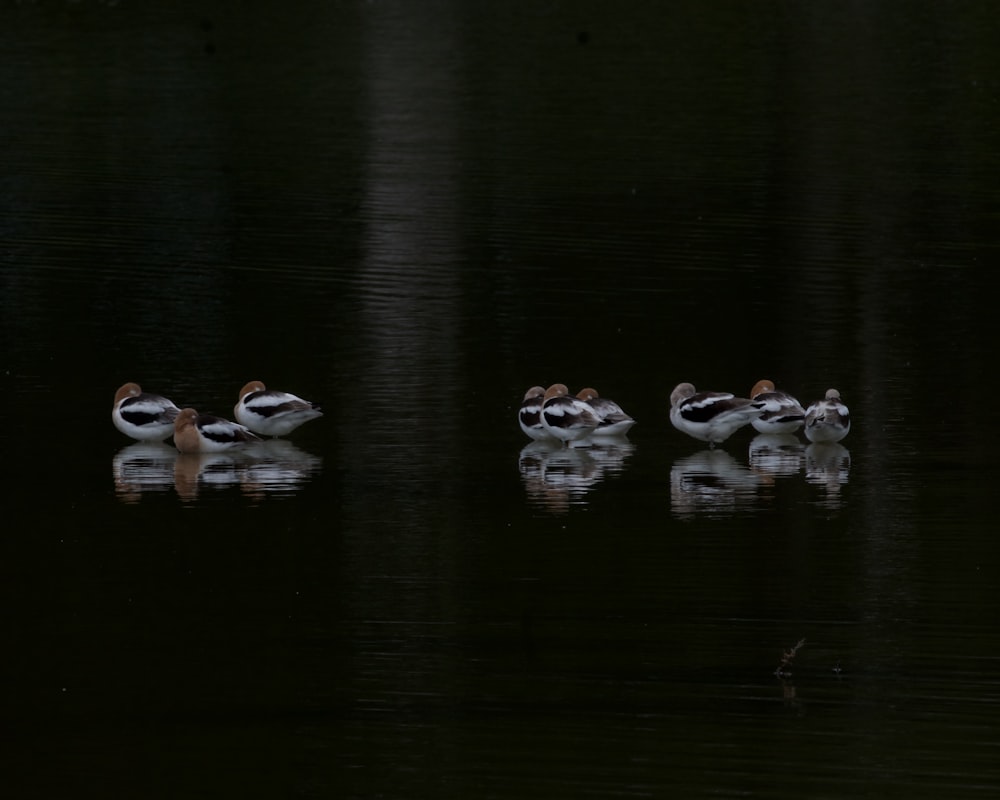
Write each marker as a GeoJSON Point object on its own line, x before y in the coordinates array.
{"type": "Point", "coordinates": [412, 216]}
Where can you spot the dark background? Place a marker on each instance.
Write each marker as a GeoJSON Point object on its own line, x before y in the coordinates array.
{"type": "Point", "coordinates": [411, 213]}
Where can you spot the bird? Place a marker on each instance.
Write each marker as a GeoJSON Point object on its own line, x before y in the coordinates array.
{"type": "Point", "coordinates": [710, 416]}
{"type": "Point", "coordinates": [613, 420]}
{"type": "Point", "coordinates": [272, 413]}
{"type": "Point", "coordinates": [142, 416]}
{"type": "Point", "coordinates": [205, 433]}
{"type": "Point", "coordinates": [529, 416]}
{"type": "Point", "coordinates": [566, 418]}
{"type": "Point", "coordinates": [782, 412]}
{"type": "Point", "coordinates": [827, 420]}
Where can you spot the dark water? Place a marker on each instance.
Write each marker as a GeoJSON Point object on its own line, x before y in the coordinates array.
{"type": "Point", "coordinates": [411, 215]}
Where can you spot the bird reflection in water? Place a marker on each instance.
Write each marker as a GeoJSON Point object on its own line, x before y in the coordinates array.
{"type": "Point", "coordinates": [143, 467]}
{"type": "Point", "coordinates": [279, 467]}
{"type": "Point", "coordinates": [557, 478]}
{"type": "Point", "coordinates": [196, 471]}
{"type": "Point", "coordinates": [271, 467]}
{"type": "Point", "coordinates": [711, 481]}
{"type": "Point", "coordinates": [828, 465]}
{"type": "Point", "coordinates": [780, 455]}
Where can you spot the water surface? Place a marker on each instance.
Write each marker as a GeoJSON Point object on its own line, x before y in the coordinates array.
{"type": "Point", "coordinates": [411, 216]}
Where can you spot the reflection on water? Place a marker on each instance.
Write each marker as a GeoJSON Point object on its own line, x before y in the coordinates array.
{"type": "Point", "coordinates": [828, 466]}
{"type": "Point", "coordinates": [271, 467]}
{"type": "Point", "coordinates": [556, 478]}
{"type": "Point", "coordinates": [143, 467]}
{"type": "Point", "coordinates": [196, 471]}
{"type": "Point", "coordinates": [714, 482]}
{"type": "Point", "coordinates": [777, 454]}
{"type": "Point", "coordinates": [711, 481]}
{"type": "Point", "coordinates": [278, 467]}
{"type": "Point", "coordinates": [413, 210]}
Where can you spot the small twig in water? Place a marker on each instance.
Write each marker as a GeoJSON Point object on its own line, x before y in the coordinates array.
{"type": "Point", "coordinates": [783, 670]}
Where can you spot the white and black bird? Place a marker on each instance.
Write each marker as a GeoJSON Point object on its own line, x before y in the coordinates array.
{"type": "Point", "coordinates": [568, 419]}
{"type": "Point", "coordinates": [827, 420]}
{"type": "Point", "coordinates": [206, 433]}
{"type": "Point", "coordinates": [273, 413]}
{"type": "Point", "coordinates": [710, 416]}
{"type": "Point", "coordinates": [529, 415]}
{"type": "Point", "coordinates": [782, 412]}
{"type": "Point", "coordinates": [143, 416]}
{"type": "Point", "coordinates": [613, 419]}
